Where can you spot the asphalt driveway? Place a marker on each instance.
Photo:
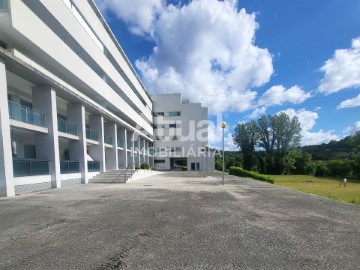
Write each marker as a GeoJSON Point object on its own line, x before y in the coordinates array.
{"type": "Point", "coordinates": [178, 221]}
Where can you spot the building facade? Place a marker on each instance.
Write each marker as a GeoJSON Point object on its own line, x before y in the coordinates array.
{"type": "Point", "coordinates": [181, 134]}
{"type": "Point", "coordinates": [71, 104]}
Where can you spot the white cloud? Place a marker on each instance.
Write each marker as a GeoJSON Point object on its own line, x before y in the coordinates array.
{"type": "Point", "coordinates": [307, 121]}
{"type": "Point", "coordinates": [350, 103]}
{"type": "Point", "coordinates": [256, 113]}
{"type": "Point", "coordinates": [278, 95]}
{"type": "Point", "coordinates": [229, 143]}
{"type": "Point", "coordinates": [206, 50]}
{"type": "Point", "coordinates": [316, 138]}
{"type": "Point", "coordinates": [138, 14]}
{"type": "Point", "coordinates": [342, 70]}
{"type": "Point", "coordinates": [215, 136]}
{"type": "Point", "coordinates": [353, 129]}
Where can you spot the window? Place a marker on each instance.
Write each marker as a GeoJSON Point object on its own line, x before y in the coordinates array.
{"type": "Point", "coordinates": [156, 114]}
{"type": "Point", "coordinates": [2, 44]}
{"type": "Point", "coordinates": [29, 151]}
{"type": "Point", "coordinates": [169, 114]}
{"type": "Point", "coordinates": [159, 161]}
{"type": "Point", "coordinates": [195, 166]}
{"type": "Point", "coordinates": [4, 5]}
{"type": "Point", "coordinates": [172, 125]}
{"type": "Point", "coordinates": [175, 149]}
{"type": "Point", "coordinates": [175, 138]}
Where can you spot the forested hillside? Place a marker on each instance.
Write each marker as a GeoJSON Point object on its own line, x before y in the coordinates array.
{"type": "Point", "coordinates": [348, 147]}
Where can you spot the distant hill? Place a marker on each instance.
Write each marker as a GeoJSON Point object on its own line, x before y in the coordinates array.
{"type": "Point", "coordinates": [345, 148]}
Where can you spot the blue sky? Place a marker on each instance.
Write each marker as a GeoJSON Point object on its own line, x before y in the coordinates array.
{"type": "Point", "coordinates": [246, 58]}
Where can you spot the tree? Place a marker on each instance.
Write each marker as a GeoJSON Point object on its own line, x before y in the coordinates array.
{"type": "Point", "coordinates": [266, 133]}
{"type": "Point", "coordinates": [245, 137]}
{"type": "Point", "coordinates": [277, 135]}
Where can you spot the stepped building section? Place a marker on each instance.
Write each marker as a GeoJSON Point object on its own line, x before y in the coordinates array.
{"type": "Point", "coordinates": [181, 134]}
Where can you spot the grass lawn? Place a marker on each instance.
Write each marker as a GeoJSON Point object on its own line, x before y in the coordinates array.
{"type": "Point", "coordinates": [326, 187]}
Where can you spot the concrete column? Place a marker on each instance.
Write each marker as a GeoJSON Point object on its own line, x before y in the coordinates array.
{"type": "Point", "coordinates": [6, 161]}
{"type": "Point", "coordinates": [47, 145]}
{"type": "Point", "coordinates": [97, 152]}
{"type": "Point", "coordinates": [77, 149]}
{"type": "Point", "coordinates": [139, 157]}
{"type": "Point", "coordinates": [126, 138]}
{"type": "Point", "coordinates": [122, 156]}
{"type": "Point", "coordinates": [143, 147]}
{"type": "Point", "coordinates": [132, 142]}
{"type": "Point", "coordinates": [147, 158]}
{"type": "Point", "coordinates": [111, 153]}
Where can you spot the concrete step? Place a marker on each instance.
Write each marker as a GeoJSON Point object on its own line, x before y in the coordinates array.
{"type": "Point", "coordinates": [107, 181]}
{"type": "Point", "coordinates": [118, 176]}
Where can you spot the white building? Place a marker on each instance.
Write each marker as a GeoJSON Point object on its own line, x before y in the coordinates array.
{"type": "Point", "coordinates": [181, 134]}
{"type": "Point", "coordinates": [71, 105]}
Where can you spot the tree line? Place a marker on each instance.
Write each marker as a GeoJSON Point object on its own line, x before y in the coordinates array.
{"type": "Point", "coordinates": [271, 145]}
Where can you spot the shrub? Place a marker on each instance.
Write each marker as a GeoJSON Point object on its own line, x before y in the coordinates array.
{"type": "Point", "coordinates": [144, 166]}
{"type": "Point", "coordinates": [244, 173]}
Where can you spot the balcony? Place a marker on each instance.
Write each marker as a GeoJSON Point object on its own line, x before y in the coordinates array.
{"type": "Point", "coordinates": [67, 127]}
{"type": "Point", "coordinates": [4, 5]}
{"type": "Point", "coordinates": [121, 166]}
{"type": "Point", "coordinates": [93, 166]}
{"type": "Point", "coordinates": [108, 140]}
{"type": "Point", "coordinates": [91, 135]}
{"type": "Point", "coordinates": [120, 143]}
{"type": "Point", "coordinates": [26, 115]}
{"type": "Point", "coordinates": [129, 145]}
{"type": "Point", "coordinates": [30, 167]}
{"type": "Point", "coordinates": [69, 167]}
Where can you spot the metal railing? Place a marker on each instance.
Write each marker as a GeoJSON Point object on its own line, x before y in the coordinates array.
{"type": "Point", "coordinates": [30, 167]}
{"type": "Point", "coordinates": [26, 115]}
{"type": "Point", "coordinates": [67, 127]}
{"type": "Point", "coordinates": [91, 134]}
{"type": "Point", "coordinates": [93, 166]}
{"type": "Point", "coordinates": [107, 139]}
{"type": "Point", "coordinates": [69, 167]}
{"type": "Point", "coordinates": [120, 143]}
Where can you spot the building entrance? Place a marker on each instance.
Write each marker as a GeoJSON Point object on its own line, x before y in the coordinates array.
{"type": "Point", "coordinates": [178, 164]}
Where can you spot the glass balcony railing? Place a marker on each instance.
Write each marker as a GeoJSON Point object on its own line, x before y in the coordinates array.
{"type": "Point", "coordinates": [91, 134]}
{"type": "Point", "coordinates": [121, 166]}
{"type": "Point", "coordinates": [120, 143]}
{"type": "Point", "coordinates": [26, 115]}
{"type": "Point", "coordinates": [107, 139]}
{"type": "Point", "coordinates": [93, 166]}
{"type": "Point", "coordinates": [129, 145]}
{"type": "Point", "coordinates": [67, 127]}
{"type": "Point", "coordinates": [30, 167]}
{"type": "Point", "coordinates": [69, 167]}
{"type": "Point", "coordinates": [4, 5]}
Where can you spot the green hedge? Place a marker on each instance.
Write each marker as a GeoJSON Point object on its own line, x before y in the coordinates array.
{"type": "Point", "coordinates": [244, 173]}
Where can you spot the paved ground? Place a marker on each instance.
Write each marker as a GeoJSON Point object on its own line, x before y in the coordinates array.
{"type": "Point", "coordinates": [178, 221]}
